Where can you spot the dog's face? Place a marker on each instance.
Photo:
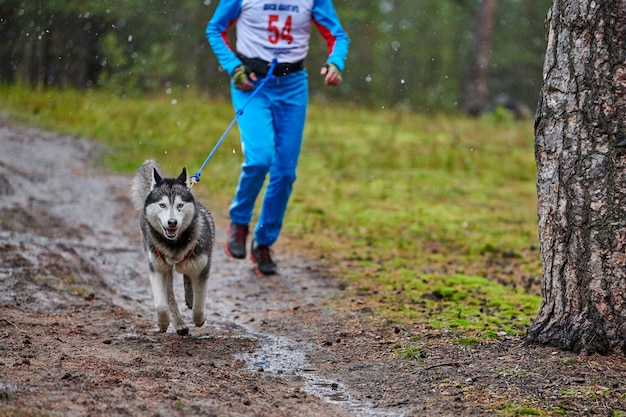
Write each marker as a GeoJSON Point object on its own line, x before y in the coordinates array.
{"type": "Point", "coordinates": [170, 206]}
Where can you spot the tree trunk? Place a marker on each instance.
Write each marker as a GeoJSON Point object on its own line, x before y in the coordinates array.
{"type": "Point", "coordinates": [476, 94]}
{"type": "Point", "coordinates": [580, 150]}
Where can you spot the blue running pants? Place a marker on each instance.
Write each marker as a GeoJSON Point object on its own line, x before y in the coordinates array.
{"type": "Point", "coordinates": [271, 129]}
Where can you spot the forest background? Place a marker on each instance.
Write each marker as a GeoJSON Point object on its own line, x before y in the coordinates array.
{"type": "Point", "coordinates": [405, 54]}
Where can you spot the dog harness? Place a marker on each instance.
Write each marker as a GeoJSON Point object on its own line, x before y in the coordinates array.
{"type": "Point", "coordinates": [156, 249]}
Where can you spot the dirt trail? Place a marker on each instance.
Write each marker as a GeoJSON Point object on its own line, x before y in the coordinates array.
{"type": "Point", "coordinates": [78, 335]}
{"type": "Point", "coordinates": [78, 309]}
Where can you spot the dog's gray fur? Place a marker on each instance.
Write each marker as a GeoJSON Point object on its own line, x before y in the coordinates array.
{"type": "Point", "coordinates": [178, 234]}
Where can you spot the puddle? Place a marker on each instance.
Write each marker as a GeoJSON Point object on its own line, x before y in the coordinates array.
{"type": "Point", "coordinates": [280, 356]}
{"type": "Point", "coordinates": [8, 388]}
{"type": "Point", "coordinates": [136, 336]}
{"type": "Point", "coordinates": [336, 393]}
{"type": "Point", "coordinates": [276, 355]}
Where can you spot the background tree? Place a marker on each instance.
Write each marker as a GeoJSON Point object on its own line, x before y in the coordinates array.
{"type": "Point", "coordinates": [581, 178]}
{"type": "Point", "coordinates": [476, 93]}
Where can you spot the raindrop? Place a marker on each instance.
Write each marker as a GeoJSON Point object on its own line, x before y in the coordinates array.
{"type": "Point", "coordinates": [385, 7]}
{"type": "Point", "coordinates": [130, 38]}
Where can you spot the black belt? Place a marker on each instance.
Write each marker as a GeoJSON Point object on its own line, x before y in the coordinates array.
{"type": "Point", "coordinates": [260, 67]}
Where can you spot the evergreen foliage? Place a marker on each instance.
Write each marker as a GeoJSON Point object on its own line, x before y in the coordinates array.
{"type": "Point", "coordinates": [403, 53]}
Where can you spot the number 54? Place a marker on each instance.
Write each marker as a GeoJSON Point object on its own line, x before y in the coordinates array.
{"type": "Point", "coordinates": [276, 34]}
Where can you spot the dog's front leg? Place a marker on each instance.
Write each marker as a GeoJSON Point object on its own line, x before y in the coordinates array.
{"type": "Point", "coordinates": [179, 322]}
{"type": "Point", "coordinates": [158, 281]}
{"type": "Point", "coordinates": [200, 287]}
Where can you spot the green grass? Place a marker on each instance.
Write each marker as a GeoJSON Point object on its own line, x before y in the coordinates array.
{"type": "Point", "coordinates": [430, 219]}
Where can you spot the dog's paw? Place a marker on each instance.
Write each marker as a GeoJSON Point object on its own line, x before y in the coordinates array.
{"type": "Point", "coordinates": [163, 320]}
{"type": "Point", "coordinates": [199, 319]}
{"type": "Point", "coordinates": [183, 331]}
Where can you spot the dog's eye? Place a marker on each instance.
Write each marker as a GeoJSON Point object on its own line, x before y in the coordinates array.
{"type": "Point", "coordinates": [162, 205]}
{"type": "Point", "coordinates": [180, 206]}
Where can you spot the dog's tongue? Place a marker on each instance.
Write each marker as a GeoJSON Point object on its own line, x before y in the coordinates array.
{"type": "Point", "coordinates": [171, 232]}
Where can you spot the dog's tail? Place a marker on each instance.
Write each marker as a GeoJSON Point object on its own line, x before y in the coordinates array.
{"type": "Point", "coordinates": [143, 183]}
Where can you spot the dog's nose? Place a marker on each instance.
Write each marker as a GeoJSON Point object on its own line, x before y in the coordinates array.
{"type": "Point", "coordinates": [172, 222]}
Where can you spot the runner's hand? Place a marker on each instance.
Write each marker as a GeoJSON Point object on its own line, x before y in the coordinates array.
{"type": "Point", "coordinates": [332, 75]}
{"type": "Point", "coordinates": [239, 77]}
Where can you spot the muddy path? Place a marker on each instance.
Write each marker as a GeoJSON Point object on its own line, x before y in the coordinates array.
{"type": "Point", "coordinates": [78, 334]}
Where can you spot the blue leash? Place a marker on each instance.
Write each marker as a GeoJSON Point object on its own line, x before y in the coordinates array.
{"type": "Point", "coordinates": [195, 178]}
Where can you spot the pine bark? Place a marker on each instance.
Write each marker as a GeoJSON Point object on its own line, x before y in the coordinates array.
{"type": "Point", "coordinates": [580, 150]}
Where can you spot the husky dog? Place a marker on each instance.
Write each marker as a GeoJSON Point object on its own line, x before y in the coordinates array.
{"type": "Point", "coordinates": [178, 234]}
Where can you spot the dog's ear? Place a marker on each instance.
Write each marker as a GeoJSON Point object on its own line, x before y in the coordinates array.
{"type": "Point", "coordinates": [182, 178]}
{"type": "Point", "coordinates": [156, 178]}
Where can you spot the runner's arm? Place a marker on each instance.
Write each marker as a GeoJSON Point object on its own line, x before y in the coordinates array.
{"type": "Point", "coordinates": [327, 22]}
{"type": "Point", "coordinates": [223, 19]}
